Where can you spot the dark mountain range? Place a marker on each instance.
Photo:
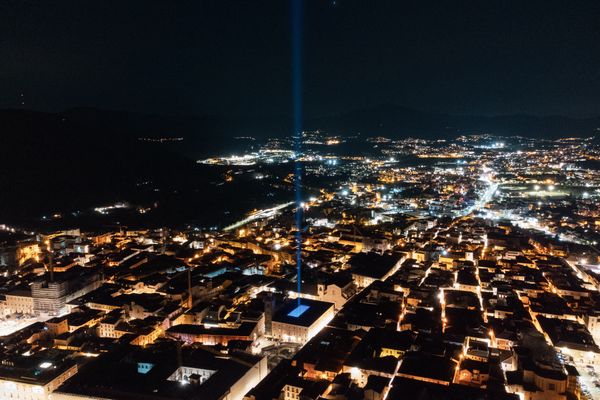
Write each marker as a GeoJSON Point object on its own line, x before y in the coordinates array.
{"type": "Point", "coordinates": [396, 121]}
{"type": "Point", "coordinates": [88, 126]}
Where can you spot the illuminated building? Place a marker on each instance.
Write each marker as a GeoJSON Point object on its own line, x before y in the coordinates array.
{"type": "Point", "coordinates": [35, 377]}
{"type": "Point", "coordinates": [299, 323]}
{"type": "Point", "coordinates": [19, 301]}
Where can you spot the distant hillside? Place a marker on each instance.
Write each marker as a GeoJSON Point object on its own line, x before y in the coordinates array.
{"type": "Point", "coordinates": [63, 161]}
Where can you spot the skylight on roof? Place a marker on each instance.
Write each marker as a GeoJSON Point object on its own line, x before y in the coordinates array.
{"type": "Point", "coordinates": [298, 311]}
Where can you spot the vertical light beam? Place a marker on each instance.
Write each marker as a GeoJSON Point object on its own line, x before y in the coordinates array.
{"type": "Point", "coordinates": [297, 126]}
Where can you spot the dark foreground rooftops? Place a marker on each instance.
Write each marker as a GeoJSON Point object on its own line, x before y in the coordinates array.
{"type": "Point", "coordinates": [132, 373]}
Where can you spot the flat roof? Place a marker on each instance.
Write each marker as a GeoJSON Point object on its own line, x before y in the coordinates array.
{"type": "Point", "coordinates": [305, 314]}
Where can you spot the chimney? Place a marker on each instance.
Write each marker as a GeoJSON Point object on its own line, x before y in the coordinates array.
{"type": "Point", "coordinates": [190, 299]}
{"type": "Point", "coordinates": [51, 264]}
{"type": "Point", "coordinates": [179, 360]}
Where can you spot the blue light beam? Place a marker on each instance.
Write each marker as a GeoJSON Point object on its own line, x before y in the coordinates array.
{"type": "Point", "coordinates": [297, 11]}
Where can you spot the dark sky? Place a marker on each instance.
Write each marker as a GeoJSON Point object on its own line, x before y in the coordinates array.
{"type": "Point", "coordinates": [233, 57]}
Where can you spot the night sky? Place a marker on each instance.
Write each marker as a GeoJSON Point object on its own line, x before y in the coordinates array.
{"type": "Point", "coordinates": [233, 57]}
